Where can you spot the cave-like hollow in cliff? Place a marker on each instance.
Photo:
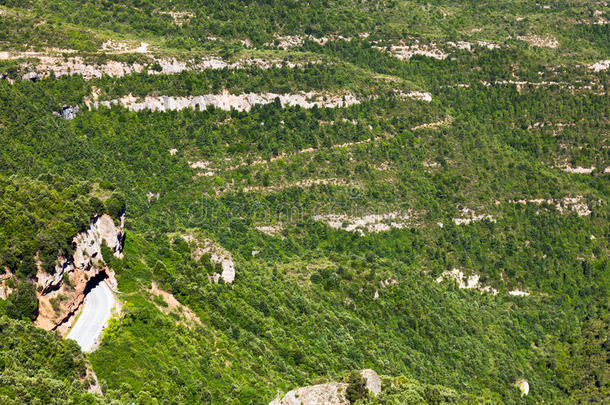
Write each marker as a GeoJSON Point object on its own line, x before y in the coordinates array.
{"type": "Point", "coordinates": [95, 281]}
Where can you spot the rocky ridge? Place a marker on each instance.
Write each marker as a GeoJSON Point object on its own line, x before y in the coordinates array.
{"type": "Point", "coordinates": [226, 101]}
{"type": "Point", "coordinates": [39, 65]}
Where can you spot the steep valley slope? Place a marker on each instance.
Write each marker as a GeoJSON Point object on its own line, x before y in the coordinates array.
{"type": "Point", "coordinates": [385, 202]}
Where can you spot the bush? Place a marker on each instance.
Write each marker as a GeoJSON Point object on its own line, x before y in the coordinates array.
{"type": "Point", "coordinates": [115, 205]}
{"type": "Point", "coordinates": [23, 304]}
{"type": "Point", "coordinates": [106, 185]}
{"type": "Point", "coordinates": [97, 206]}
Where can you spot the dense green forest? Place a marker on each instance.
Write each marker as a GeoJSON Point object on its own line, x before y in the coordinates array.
{"type": "Point", "coordinates": [343, 223]}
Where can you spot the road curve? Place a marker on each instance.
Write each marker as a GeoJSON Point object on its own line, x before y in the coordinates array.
{"type": "Point", "coordinates": [96, 312]}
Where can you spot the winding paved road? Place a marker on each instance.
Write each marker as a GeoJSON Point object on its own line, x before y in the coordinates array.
{"type": "Point", "coordinates": [97, 310]}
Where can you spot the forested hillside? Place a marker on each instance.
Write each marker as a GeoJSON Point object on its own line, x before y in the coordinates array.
{"type": "Point", "coordinates": [311, 188]}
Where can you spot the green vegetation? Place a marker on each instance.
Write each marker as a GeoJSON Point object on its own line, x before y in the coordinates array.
{"type": "Point", "coordinates": [22, 303]}
{"type": "Point", "coordinates": [40, 217]}
{"type": "Point", "coordinates": [311, 302]}
{"type": "Point", "coordinates": [39, 367]}
{"type": "Point", "coordinates": [356, 389]}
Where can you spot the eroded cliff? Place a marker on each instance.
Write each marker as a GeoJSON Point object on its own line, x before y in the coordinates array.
{"type": "Point", "coordinates": [62, 293]}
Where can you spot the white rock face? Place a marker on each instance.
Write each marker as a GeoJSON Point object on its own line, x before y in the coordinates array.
{"type": "Point", "coordinates": [404, 52]}
{"type": "Point", "coordinates": [519, 293]}
{"type": "Point", "coordinates": [228, 268]}
{"type": "Point", "coordinates": [416, 95]}
{"type": "Point", "coordinates": [469, 46]}
{"type": "Point", "coordinates": [372, 223]}
{"type": "Point", "coordinates": [303, 184]}
{"type": "Point", "coordinates": [579, 169]}
{"type": "Point", "coordinates": [202, 168]}
{"type": "Point", "coordinates": [77, 66]}
{"type": "Point", "coordinates": [292, 41]}
{"type": "Point", "coordinates": [576, 204]}
{"type": "Point", "coordinates": [87, 252]}
{"type": "Point", "coordinates": [327, 394]}
{"type": "Point", "coordinates": [472, 282]}
{"type": "Point", "coordinates": [271, 230]}
{"type": "Point", "coordinates": [469, 215]}
{"type": "Point", "coordinates": [463, 45]}
{"type": "Point", "coordinates": [52, 61]}
{"type": "Point", "coordinates": [601, 65]}
{"type": "Point", "coordinates": [199, 165]}
{"type": "Point", "coordinates": [226, 101]}
{"type": "Point", "coordinates": [371, 381]}
{"type": "Point", "coordinates": [89, 243]}
{"type": "Point", "coordinates": [5, 290]}
{"type": "Point", "coordinates": [85, 264]}
{"type": "Point", "coordinates": [523, 386]}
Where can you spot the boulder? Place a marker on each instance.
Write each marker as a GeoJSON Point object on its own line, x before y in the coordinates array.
{"type": "Point", "coordinates": [371, 381]}
{"type": "Point", "coordinates": [327, 394]}
{"type": "Point", "coordinates": [69, 113]}
{"type": "Point", "coordinates": [333, 393]}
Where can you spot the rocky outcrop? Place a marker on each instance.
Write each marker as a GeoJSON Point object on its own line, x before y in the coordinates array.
{"type": "Point", "coordinates": [469, 283]}
{"type": "Point", "coordinates": [333, 393]}
{"type": "Point", "coordinates": [405, 52]}
{"type": "Point", "coordinates": [56, 62]}
{"type": "Point", "coordinates": [5, 289]}
{"type": "Point", "coordinates": [415, 95]}
{"type": "Point", "coordinates": [68, 113]}
{"type": "Point", "coordinates": [601, 65]}
{"type": "Point", "coordinates": [293, 41]}
{"type": "Point", "coordinates": [226, 101]}
{"type": "Point", "coordinates": [372, 382]}
{"type": "Point", "coordinates": [468, 216]}
{"type": "Point", "coordinates": [523, 386]}
{"type": "Point", "coordinates": [328, 394]}
{"type": "Point", "coordinates": [372, 223]}
{"type": "Point", "coordinates": [219, 257]}
{"type": "Point", "coordinates": [88, 244]}
{"type": "Point", "coordinates": [87, 251]}
{"type": "Point", "coordinates": [579, 169]}
{"type": "Point", "coordinates": [577, 204]}
{"type": "Point", "coordinates": [91, 379]}
{"type": "Point", "coordinates": [61, 294]}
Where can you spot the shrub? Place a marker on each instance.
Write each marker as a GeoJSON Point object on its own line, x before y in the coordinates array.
{"type": "Point", "coordinates": [23, 304]}
{"type": "Point", "coordinates": [356, 388]}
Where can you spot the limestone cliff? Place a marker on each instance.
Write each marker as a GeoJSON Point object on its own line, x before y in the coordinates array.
{"type": "Point", "coordinates": [60, 294]}
{"type": "Point", "coordinates": [226, 101]}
